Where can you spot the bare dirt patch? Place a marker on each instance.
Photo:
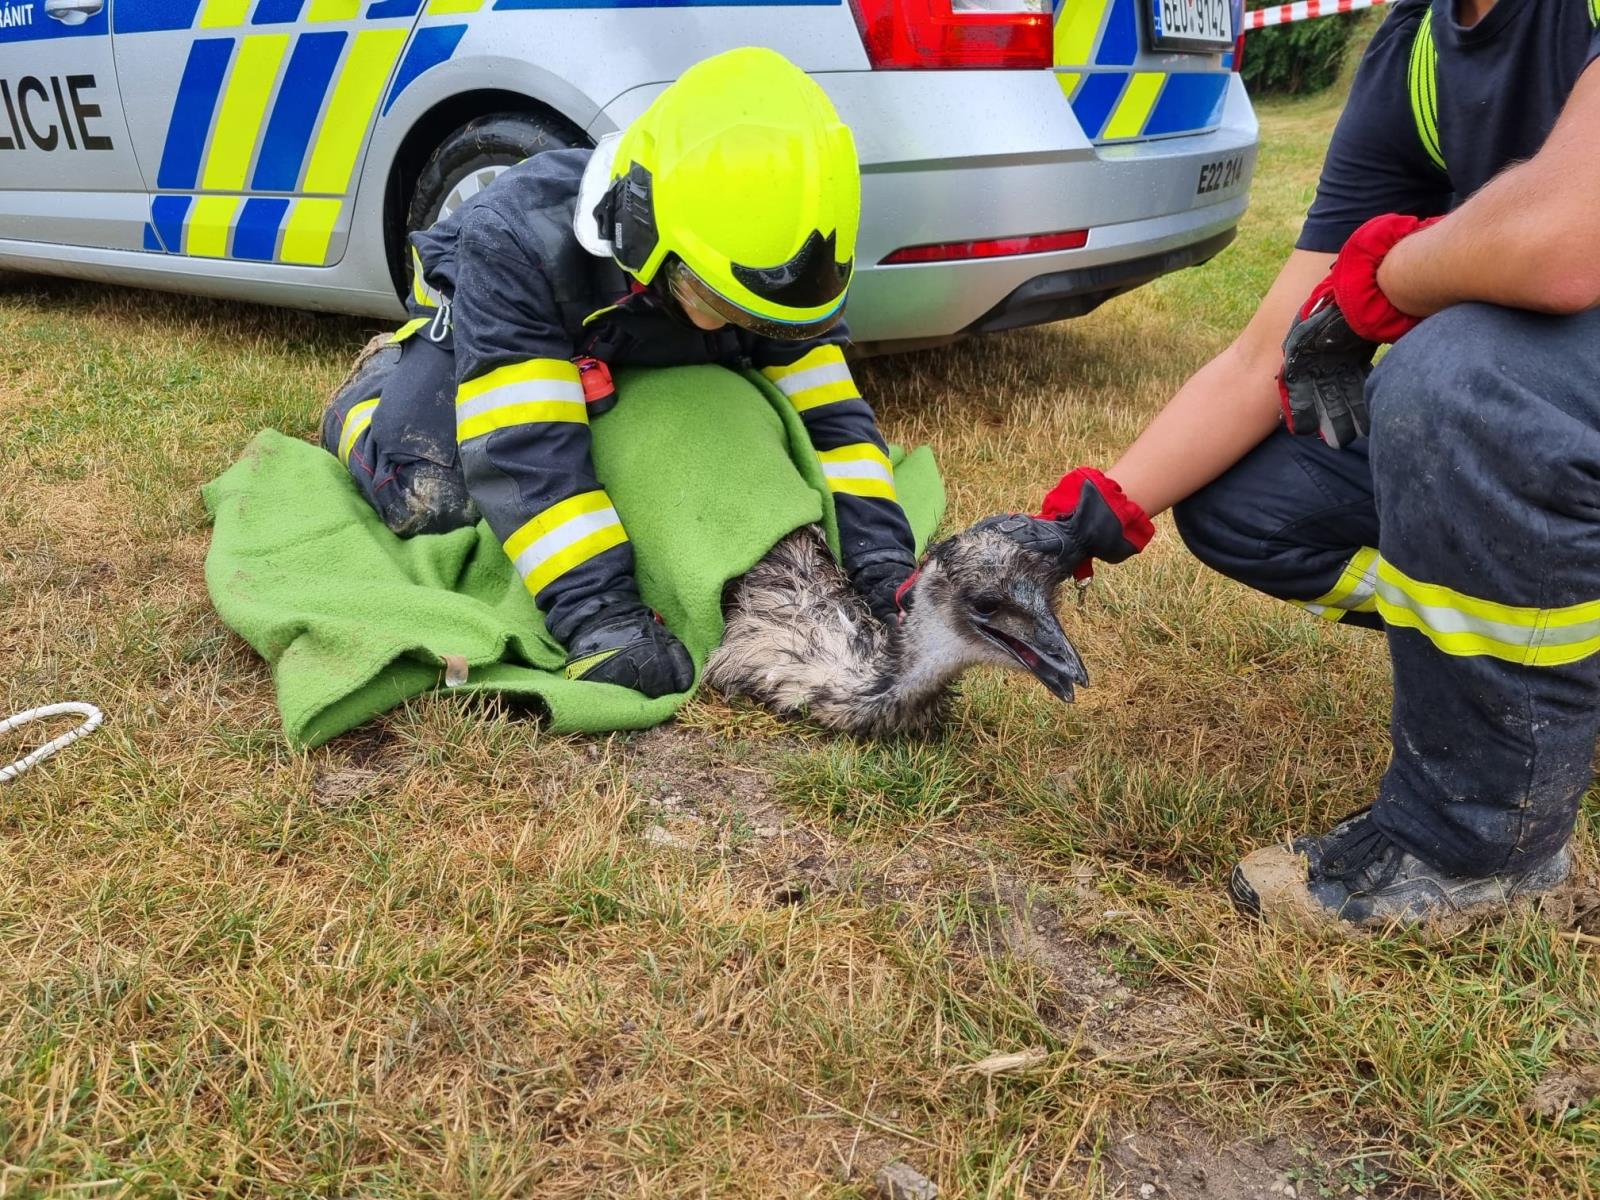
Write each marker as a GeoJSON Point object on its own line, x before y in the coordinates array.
{"type": "Point", "coordinates": [1172, 1160]}
{"type": "Point", "coordinates": [696, 795]}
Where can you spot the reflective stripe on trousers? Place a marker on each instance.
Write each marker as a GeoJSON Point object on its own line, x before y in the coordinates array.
{"type": "Point", "coordinates": [1460, 624]}
{"type": "Point", "coordinates": [1355, 591]}
{"type": "Point", "coordinates": [356, 422]}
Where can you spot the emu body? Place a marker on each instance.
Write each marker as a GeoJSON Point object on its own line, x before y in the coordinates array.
{"type": "Point", "coordinates": [800, 641]}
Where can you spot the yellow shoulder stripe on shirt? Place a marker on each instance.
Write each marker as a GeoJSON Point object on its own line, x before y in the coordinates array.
{"type": "Point", "coordinates": [1423, 83]}
{"type": "Point", "coordinates": [1422, 78]}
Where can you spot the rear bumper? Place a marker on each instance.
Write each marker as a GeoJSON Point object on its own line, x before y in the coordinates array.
{"type": "Point", "coordinates": [954, 156]}
{"type": "Point", "coordinates": [1140, 203]}
{"type": "Point", "coordinates": [1079, 290]}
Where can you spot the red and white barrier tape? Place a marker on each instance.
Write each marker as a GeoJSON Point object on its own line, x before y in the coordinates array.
{"type": "Point", "coordinates": [1303, 10]}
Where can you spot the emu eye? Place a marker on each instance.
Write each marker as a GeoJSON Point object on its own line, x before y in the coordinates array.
{"type": "Point", "coordinates": [986, 606]}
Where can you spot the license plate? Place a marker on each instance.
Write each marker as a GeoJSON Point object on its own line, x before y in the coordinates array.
{"type": "Point", "coordinates": [1192, 24]}
{"type": "Point", "coordinates": [1220, 174]}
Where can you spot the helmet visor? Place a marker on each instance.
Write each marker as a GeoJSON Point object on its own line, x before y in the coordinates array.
{"type": "Point", "coordinates": [689, 290]}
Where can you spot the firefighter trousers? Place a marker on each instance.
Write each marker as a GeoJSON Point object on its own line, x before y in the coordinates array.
{"type": "Point", "coordinates": [402, 452]}
{"type": "Point", "coordinates": [393, 425]}
{"type": "Point", "coordinates": [1467, 528]}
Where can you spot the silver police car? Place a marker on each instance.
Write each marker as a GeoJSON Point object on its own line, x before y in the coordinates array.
{"type": "Point", "coordinates": [1018, 165]}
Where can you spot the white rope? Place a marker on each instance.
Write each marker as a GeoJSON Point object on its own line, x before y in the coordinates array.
{"type": "Point", "coordinates": [92, 719]}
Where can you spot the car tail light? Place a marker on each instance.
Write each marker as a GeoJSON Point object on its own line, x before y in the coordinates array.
{"type": "Point", "coordinates": [1038, 243]}
{"type": "Point", "coordinates": [923, 34]}
{"type": "Point", "coordinates": [1238, 52]}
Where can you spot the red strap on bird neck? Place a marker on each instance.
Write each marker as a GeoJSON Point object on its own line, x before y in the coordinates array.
{"type": "Point", "coordinates": [900, 592]}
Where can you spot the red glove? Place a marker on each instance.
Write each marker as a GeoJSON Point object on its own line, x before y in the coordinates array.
{"type": "Point", "coordinates": [1353, 281]}
{"type": "Point", "coordinates": [1086, 516]}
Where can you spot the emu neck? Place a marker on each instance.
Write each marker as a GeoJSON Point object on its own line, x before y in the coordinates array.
{"type": "Point", "coordinates": [921, 660]}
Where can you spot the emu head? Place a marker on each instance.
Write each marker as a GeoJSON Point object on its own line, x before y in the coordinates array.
{"type": "Point", "coordinates": [983, 599]}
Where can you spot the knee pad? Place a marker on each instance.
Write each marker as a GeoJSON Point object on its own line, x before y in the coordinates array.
{"type": "Point", "coordinates": [426, 498]}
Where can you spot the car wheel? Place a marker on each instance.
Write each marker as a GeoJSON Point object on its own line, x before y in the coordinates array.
{"type": "Point", "coordinates": [468, 160]}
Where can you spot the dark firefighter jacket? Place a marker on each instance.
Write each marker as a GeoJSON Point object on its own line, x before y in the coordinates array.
{"type": "Point", "coordinates": [505, 279]}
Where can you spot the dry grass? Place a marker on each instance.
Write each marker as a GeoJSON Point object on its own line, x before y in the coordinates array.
{"type": "Point", "coordinates": [441, 957]}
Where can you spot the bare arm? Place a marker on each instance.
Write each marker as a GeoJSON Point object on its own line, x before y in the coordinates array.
{"type": "Point", "coordinates": [1527, 239]}
{"type": "Point", "coordinates": [1226, 407]}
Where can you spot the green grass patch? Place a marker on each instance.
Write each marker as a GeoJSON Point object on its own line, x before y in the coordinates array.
{"type": "Point", "coordinates": [449, 955]}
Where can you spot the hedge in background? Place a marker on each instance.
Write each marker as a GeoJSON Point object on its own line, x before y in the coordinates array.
{"type": "Point", "coordinates": [1295, 60]}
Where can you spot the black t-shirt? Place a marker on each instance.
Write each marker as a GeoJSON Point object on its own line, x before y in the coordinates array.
{"type": "Point", "coordinates": [1501, 84]}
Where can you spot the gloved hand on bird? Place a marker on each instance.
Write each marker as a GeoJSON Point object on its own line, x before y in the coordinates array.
{"type": "Point", "coordinates": [881, 585]}
{"type": "Point", "coordinates": [1086, 516]}
{"type": "Point", "coordinates": [1328, 353]}
{"type": "Point", "coordinates": [630, 647]}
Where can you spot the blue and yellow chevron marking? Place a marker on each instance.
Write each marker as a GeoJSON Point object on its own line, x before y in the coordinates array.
{"type": "Point", "coordinates": [1096, 41]}
{"type": "Point", "coordinates": [149, 16]}
{"type": "Point", "coordinates": [309, 230]}
{"type": "Point", "coordinates": [276, 12]}
{"type": "Point", "coordinates": [272, 112]}
{"type": "Point", "coordinates": [268, 127]}
{"type": "Point", "coordinates": [198, 89]}
{"type": "Point", "coordinates": [243, 109]}
{"type": "Point", "coordinates": [294, 116]}
{"type": "Point", "coordinates": [429, 47]}
{"type": "Point", "coordinates": [154, 16]}
{"type": "Point", "coordinates": [294, 230]}
{"type": "Point", "coordinates": [504, 5]}
{"type": "Point", "coordinates": [256, 234]}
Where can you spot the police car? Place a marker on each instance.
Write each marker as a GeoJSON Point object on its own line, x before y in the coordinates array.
{"type": "Point", "coordinates": [1018, 165]}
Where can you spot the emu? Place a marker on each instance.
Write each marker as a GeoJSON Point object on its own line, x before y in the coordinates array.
{"type": "Point", "coordinates": [800, 642]}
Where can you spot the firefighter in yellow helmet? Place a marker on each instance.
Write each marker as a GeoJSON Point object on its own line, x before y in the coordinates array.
{"type": "Point", "coordinates": [719, 227]}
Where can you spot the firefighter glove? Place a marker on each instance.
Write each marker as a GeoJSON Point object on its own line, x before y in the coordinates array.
{"type": "Point", "coordinates": [630, 648]}
{"type": "Point", "coordinates": [879, 584]}
{"type": "Point", "coordinates": [1086, 516]}
{"type": "Point", "coordinates": [1328, 353]}
{"type": "Point", "coordinates": [1323, 385]}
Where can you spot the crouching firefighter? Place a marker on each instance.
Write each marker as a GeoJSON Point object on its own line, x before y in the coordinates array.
{"type": "Point", "coordinates": [1448, 497]}
{"type": "Point", "coordinates": [719, 227]}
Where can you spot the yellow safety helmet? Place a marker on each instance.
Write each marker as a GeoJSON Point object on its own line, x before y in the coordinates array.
{"type": "Point", "coordinates": [741, 181]}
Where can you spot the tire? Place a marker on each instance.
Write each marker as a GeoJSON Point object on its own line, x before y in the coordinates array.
{"type": "Point", "coordinates": [473, 155]}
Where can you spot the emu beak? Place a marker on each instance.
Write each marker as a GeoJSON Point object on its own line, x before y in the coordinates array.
{"type": "Point", "coordinates": [1046, 654]}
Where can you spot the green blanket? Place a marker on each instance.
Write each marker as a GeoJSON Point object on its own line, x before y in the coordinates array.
{"type": "Point", "coordinates": [708, 470]}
